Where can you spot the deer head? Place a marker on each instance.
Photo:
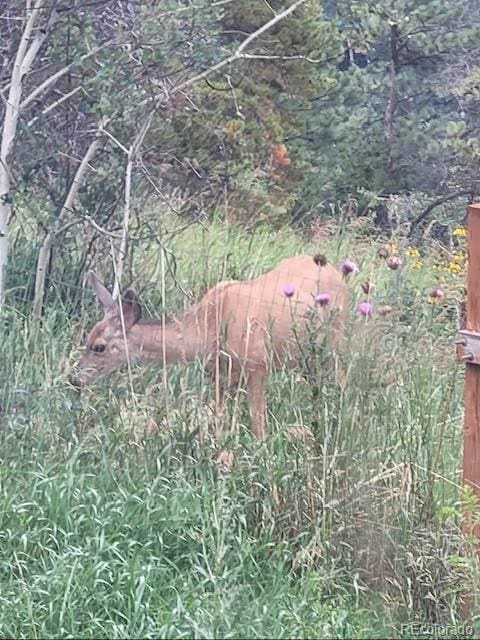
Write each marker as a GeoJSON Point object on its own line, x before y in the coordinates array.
{"type": "Point", "coordinates": [109, 343]}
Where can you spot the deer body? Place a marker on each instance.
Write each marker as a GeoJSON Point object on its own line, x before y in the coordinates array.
{"type": "Point", "coordinates": [242, 329]}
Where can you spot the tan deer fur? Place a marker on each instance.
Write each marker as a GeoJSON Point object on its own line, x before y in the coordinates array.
{"type": "Point", "coordinates": [242, 329]}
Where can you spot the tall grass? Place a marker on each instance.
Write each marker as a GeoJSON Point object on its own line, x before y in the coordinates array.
{"type": "Point", "coordinates": [116, 520]}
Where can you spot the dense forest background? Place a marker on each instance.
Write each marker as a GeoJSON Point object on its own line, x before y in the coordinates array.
{"type": "Point", "coordinates": [231, 109]}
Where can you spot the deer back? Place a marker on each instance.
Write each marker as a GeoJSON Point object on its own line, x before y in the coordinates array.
{"type": "Point", "coordinates": [250, 320]}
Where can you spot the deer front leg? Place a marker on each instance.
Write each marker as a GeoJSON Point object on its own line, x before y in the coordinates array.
{"type": "Point", "coordinates": [220, 408]}
{"type": "Point", "coordinates": [225, 458]}
{"type": "Point", "coordinates": [220, 373]}
{"type": "Point", "coordinates": [256, 383]}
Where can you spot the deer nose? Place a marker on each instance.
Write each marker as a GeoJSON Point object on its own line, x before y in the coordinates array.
{"type": "Point", "coordinates": [75, 382]}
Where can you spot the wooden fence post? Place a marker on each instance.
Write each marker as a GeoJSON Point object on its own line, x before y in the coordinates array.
{"type": "Point", "coordinates": [469, 350]}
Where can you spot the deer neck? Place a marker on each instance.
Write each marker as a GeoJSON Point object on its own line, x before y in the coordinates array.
{"type": "Point", "coordinates": [167, 342]}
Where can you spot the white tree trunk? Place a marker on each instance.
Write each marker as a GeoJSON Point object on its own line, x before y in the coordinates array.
{"type": "Point", "coordinates": [28, 49]}
{"type": "Point", "coordinates": [40, 275]}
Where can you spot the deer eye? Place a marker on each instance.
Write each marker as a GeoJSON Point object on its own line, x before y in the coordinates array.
{"type": "Point", "coordinates": [98, 348]}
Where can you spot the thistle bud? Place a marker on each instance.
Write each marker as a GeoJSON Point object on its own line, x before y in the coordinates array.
{"type": "Point", "coordinates": [288, 290]}
{"type": "Point", "coordinates": [367, 287]}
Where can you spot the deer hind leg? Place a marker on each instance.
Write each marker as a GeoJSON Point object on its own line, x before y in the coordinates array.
{"type": "Point", "coordinates": [256, 384]}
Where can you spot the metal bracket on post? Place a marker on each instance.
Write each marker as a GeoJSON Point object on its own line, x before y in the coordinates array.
{"type": "Point", "coordinates": [469, 346]}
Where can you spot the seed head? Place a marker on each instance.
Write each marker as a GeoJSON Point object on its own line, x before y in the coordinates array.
{"type": "Point", "coordinates": [367, 286]}
{"type": "Point", "coordinates": [320, 260]}
{"type": "Point", "coordinates": [384, 251]}
{"type": "Point", "coordinates": [394, 262]}
{"type": "Point", "coordinates": [384, 310]}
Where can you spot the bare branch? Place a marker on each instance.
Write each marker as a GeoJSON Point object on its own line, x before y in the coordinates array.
{"type": "Point", "coordinates": [392, 99]}
{"type": "Point", "coordinates": [19, 70]}
{"type": "Point", "coordinates": [79, 175]}
{"type": "Point", "coordinates": [27, 33]}
{"type": "Point", "coordinates": [436, 203]}
{"type": "Point", "coordinates": [234, 98]}
{"type": "Point", "coordinates": [37, 42]}
{"type": "Point", "coordinates": [237, 55]}
{"type": "Point", "coordinates": [258, 56]}
{"type": "Point", "coordinates": [103, 231]}
{"type": "Point", "coordinates": [132, 153]}
{"type": "Point", "coordinates": [43, 260]}
{"type": "Point", "coordinates": [46, 247]}
{"type": "Point", "coordinates": [117, 142]}
{"type": "Point", "coordinates": [54, 105]}
{"type": "Point", "coordinates": [196, 7]}
{"type": "Point", "coordinates": [49, 82]}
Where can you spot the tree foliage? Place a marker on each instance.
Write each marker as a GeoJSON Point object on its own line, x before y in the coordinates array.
{"type": "Point", "coordinates": [255, 115]}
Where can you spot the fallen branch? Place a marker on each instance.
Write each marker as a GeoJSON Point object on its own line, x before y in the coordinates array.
{"type": "Point", "coordinates": [436, 203]}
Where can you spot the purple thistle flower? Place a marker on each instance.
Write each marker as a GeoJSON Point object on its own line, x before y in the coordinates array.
{"type": "Point", "coordinates": [322, 299]}
{"type": "Point", "coordinates": [349, 267]}
{"type": "Point", "coordinates": [365, 309]}
{"type": "Point", "coordinates": [437, 292]}
{"type": "Point", "coordinates": [288, 290]}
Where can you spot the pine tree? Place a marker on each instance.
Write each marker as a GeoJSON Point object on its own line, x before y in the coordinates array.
{"type": "Point", "coordinates": [393, 124]}
{"type": "Point", "coordinates": [243, 138]}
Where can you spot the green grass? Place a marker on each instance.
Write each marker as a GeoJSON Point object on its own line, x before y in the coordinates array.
{"type": "Point", "coordinates": [115, 520]}
{"type": "Point", "coordinates": [130, 550]}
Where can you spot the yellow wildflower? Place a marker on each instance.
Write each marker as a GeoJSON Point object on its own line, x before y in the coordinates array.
{"type": "Point", "coordinates": [460, 257]}
{"type": "Point", "coordinates": [454, 267]}
{"type": "Point", "coordinates": [460, 232]}
{"type": "Point", "coordinates": [393, 248]}
{"type": "Point", "coordinates": [412, 252]}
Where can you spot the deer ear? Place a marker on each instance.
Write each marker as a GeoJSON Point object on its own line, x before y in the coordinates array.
{"type": "Point", "coordinates": [103, 294]}
{"type": "Point", "coordinates": [131, 308]}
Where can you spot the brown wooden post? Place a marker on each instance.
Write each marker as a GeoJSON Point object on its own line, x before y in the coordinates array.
{"type": "Point", "coordinates": [469, 350]}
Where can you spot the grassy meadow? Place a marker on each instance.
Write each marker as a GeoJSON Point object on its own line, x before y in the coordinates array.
{"type": "Point", "coordinates": [116, 521]}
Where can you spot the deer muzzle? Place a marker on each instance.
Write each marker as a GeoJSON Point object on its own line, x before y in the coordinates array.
{"type": "Point", "coordinates": [75, 381]}
{"type": "Point", "coordinates": [80, 377]}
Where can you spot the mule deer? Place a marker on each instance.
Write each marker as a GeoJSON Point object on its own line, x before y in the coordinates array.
{"type": "Point", "coordinates": [242, 329]}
